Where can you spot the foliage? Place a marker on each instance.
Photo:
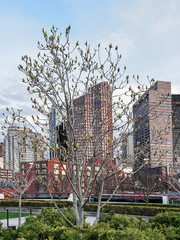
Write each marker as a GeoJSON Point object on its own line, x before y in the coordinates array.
{"type": "Point", "coordinates": [34, 203]}
{"type": "Point", "coordinates": [140, 210]}
{"type": "Point", "coordinates": [167, 219]}
{"type": "Point", "coordinates": [50, 225]}
{"type": "Point", "coordinates": [52, 217]}
{"type": "Point", "coordinates": [130, 209]}
{"type": "Point", "coordinates": [167, 223]}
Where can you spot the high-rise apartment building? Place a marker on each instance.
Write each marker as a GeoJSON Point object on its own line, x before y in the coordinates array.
{"type": "Point", "coordinates": [1, 155]}
{"type": "Point", "coordinates": [153, 126]}
{"type": "Point", "coordinates": [93, 118]}
{"type": "Point", "coordinates": [20, 145]}
{"type": "Point", "coordinates": [176, 128]}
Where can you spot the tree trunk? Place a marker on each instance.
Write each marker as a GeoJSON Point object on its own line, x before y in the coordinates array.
{"type": "Point", "coordinates": [99, 202]}
{"type": "Point", "coordinates": [80, 213]}
{"type": "Point", "coordinates": [147, 199]}
{"type": "Point", "coordinates": [19, 207]}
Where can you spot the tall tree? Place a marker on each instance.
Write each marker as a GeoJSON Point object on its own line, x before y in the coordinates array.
{"type": "Point", "coordinates": [91, 94]}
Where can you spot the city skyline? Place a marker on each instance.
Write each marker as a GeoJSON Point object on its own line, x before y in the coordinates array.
{"type": "Point", "coordinates": [146, 32]}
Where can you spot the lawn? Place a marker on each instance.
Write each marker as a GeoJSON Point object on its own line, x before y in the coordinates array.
{"type": "Point", "coordinates": [3, 215]}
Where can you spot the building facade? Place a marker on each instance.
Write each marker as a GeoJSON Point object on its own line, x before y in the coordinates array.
{"type": "Point", "coordinates": [176, 128]}
{"type": "Point", "coordinates": [93, 119]}
{"type": "Point", "coordinates": [46, 173]}
{"type": "Point", "coordinates": [1, 155]}
{"type": "Point", "coordinates": [153, 126]}
{"type": "Point", "coordinates": [21, 145]}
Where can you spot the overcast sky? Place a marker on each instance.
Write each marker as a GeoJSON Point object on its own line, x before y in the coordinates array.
{"type": "Point", "coordinates": [146, 31]}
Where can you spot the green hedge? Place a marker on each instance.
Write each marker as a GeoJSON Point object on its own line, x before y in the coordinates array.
{"type": "Point", "coordinates": [33, 203]}
{"type": "Point", "coordinates": [142, 204]}
{"type": "Point", "coordinates": [129, 209]}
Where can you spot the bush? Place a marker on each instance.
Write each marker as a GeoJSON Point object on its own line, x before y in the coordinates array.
{"type": "Point", "coordinates": [167, 223]}
{"type": "Point", "coordinates": [100, 231]}
{"type": "Point", "coordinates": [33, 203]}
{"type": "Point", "coordinates": [120, 222]}
{"type": "Point", "coordinates": [135, 233]}
{"type": "Point", "coordinates": [49, 224]}
{"type": "Point", "coordinates": [131, 209]}
{"type": "Point", "coordinates": [167, 219]}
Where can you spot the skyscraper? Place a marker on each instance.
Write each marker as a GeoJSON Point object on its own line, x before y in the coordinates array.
{"type": "Point", "coordinates": [153, 126]}
{"type": "Point", "coordinates": [176, 128]}
{"type": "Point", "coordinates": [93, 118]}
{"type": "Point", "coordinates": [20, 145]}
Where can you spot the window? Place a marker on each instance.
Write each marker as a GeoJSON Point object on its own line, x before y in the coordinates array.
{"type": "Point", "coordinates": [44, 171]}
{"type": "Point", "coordinates": [43, 165]}
{"type": "Point", "coordinates": [56, 166]}
{"type": "Point", "coordinates": [63, 172]}
{"type": "Point", "coordinates": [37, 165]}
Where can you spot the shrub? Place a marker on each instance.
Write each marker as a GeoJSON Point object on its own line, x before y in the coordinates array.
{"type": "Point", "coordinates": [135, 233]}
{"type": "Point", "coordinates": [120, 222]}
{"type": "Point", "coordinates": [131, 209]}
{"type": "Point", "coordinates": [49, 224]}
{"type": "Point", "coordinates": [168, 223]}
{"type": "Point", "coordinates": [100, 231]}
{"type": "Point", "coordinates": [167, 219]}
{"type": "Point", "coordinates": [33, 203]}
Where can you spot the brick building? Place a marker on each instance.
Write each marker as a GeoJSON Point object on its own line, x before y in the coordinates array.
{"type": "Point", "coordinates": [46, 172]}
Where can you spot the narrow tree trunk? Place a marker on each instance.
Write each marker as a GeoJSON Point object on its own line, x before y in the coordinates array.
{"type": "Point", "coordinates": [81, 213]}
{"type": "Point", "coordinates": [147, 199]}
{"type": "Point", "coordinates": [20, 206]}
{"type": "Point", "coordinates": [75, 208]}
{"type": "Point", "coordinates": [99, 202]}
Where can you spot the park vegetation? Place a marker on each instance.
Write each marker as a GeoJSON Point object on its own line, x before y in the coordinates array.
{"type": "Point", "coordinates": [112, 226]}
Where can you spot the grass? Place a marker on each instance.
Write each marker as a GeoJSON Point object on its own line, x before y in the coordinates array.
{"type": "Point", "coordinates": [3, 215]}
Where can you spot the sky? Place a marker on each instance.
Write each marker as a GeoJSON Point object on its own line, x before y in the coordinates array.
{"type": "Point", "coordinates": [146, 31]}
